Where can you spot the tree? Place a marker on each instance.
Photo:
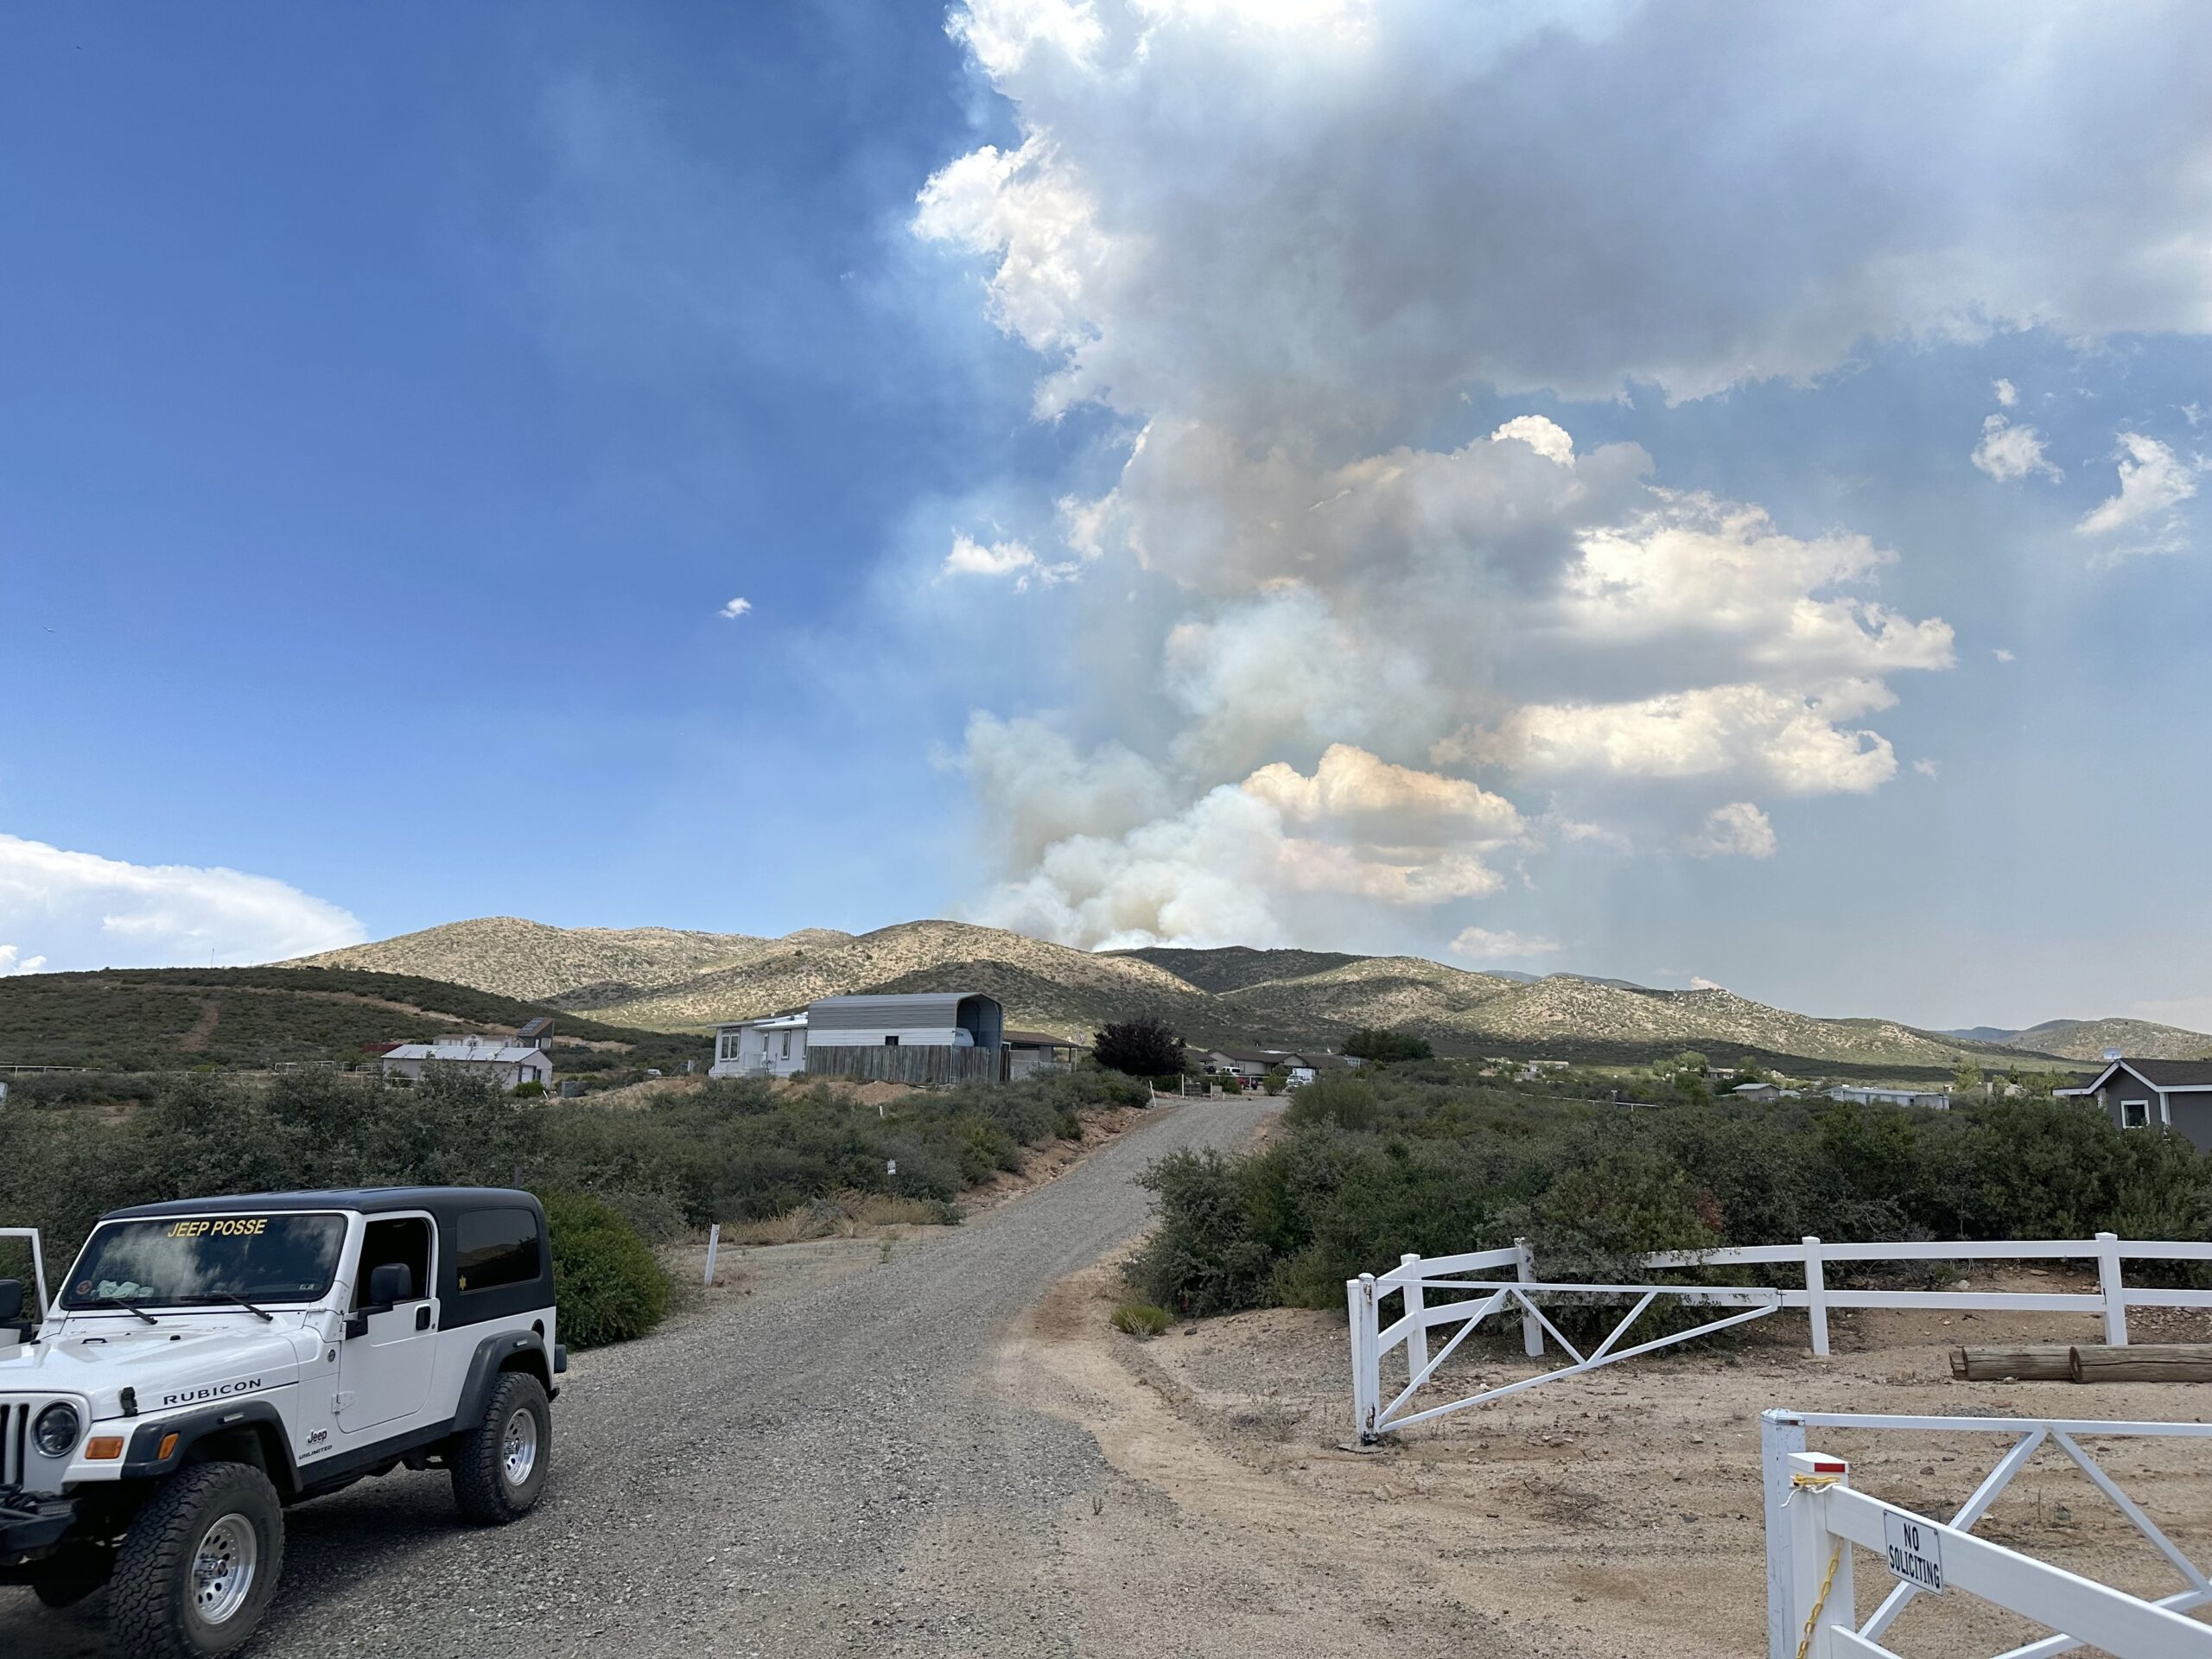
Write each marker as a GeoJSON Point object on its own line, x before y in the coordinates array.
{"type": "Point", "coordinates": [1143, 1046]}
{"type": "Point", "coordinates": [1967, 1078]}
{"type": "Point", "coordinates": [1378, 1043]}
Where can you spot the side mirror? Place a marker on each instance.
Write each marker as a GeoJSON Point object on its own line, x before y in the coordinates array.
{"type": "Point", "coordinates": [11, 1300]}
{"type": "Point", "coordinates": [390, 1285]}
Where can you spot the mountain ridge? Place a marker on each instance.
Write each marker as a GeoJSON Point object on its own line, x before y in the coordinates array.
{"type": "Point", "coordinates": [675, 979]}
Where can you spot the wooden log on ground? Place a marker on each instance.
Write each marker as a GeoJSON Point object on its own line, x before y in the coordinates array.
{"type": "Point", "coordinates": [2036, 1363]}
{"type": "Point", "coordinates": [2150, 1361]}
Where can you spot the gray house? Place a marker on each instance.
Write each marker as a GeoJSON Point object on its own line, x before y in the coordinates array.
{"type": "Point", "coordinates": [913, 1037]}
{"type": "Point", "coordinates": [2136, 1094]}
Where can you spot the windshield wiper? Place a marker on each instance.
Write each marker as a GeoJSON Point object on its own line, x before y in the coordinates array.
{"type": "Point", "coordinates": [128, 1307]}
{"type": "Point", "coordinates": [231, 1296]}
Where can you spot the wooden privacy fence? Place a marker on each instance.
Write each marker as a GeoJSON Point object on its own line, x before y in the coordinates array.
{"type": "Point", "coordinates": [1816, 1522]}
{"type": "Point", "coordinates": [918, 1062]}
{"type": "Point", "coordinates": [1474, 1290]}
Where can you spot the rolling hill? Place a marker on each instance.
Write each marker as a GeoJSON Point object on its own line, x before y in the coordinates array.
{"type": "Point", "coordinates": [672, 979]}
{"type": "Point", "coordinates": [532, 961]}
{"type": "Point", "coordinates": [2086, 1039]}
{"type": "Point", "coordinates": [159, 1019]}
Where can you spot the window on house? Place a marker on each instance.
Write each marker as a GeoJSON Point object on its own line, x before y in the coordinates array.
{"type": "Point", "coordinates": [2134, 1114]}
{"type": "Point", "coordinates": [891, 1042]}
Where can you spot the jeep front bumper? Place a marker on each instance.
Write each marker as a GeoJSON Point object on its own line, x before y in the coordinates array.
{"type": "Point", "coordinates": [30, 1526]}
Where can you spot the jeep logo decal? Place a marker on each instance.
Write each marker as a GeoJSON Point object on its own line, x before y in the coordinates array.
{"type": "Point", "coordinates": [212, 1391]}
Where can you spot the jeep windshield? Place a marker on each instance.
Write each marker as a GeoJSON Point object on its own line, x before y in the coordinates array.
{"type": "Point", "coordinates": [187, 1260]}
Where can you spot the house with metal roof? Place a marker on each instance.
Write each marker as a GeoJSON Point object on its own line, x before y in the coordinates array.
{"type": "Point", "coordinates": [509, 1064]}
{"type": "Point", "coordinates": [953, 1036]}
{"type": "Point", "coordinates": [2141, 1093]}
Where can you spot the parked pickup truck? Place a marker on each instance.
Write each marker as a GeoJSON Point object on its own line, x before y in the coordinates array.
{"type": "Point", "coordinates": [209, 1362]}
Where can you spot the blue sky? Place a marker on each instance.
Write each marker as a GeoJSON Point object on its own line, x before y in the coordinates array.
{"type": "Point", "coordinates": [1094, 407]}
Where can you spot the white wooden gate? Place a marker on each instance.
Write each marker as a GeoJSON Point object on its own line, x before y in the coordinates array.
{"type": "Point", "coordinates": [1815, 1523]}
{"type": "Point", "coordinates": [1473, 1283]}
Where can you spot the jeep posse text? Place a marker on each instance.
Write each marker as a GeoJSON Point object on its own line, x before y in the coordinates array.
{"type": "Point", "coordinates": [207, 1363]}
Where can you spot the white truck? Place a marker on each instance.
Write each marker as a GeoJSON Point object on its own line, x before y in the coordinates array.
{"type": "Point", "coordinates": [208, 1362]}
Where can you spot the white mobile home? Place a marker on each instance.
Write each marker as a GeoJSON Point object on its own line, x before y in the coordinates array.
{"type": "Point", "coordinates": [774, 1047]}
{"type": "Point", "coordinates": [780, 1045]}
{"type": "Point", "coordinates": [508, 1064]}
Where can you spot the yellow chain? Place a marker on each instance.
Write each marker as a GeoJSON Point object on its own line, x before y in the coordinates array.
{"type": "Point", "coordinates": [1815, 1482]}
{"type": "Point", "coordinates": [1819, 1601]}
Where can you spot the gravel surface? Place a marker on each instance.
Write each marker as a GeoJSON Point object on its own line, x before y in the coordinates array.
{"type": "Point", "coordinates": [826, 1470]}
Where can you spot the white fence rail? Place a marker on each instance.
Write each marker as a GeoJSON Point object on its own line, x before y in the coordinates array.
{"type": "Point", "coordinates": [1782, 1440]}
{"type": "Point", "coordinates": [1476, 1291]}
{"type": "Point", "coordinates": [1815, 1521]}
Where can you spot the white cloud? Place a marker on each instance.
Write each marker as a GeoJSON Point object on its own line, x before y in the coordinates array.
{"type": "Point", "coordinates": [1548, 438]}
{"type": "Point", "coordinates": [2008, 451]}
{"type": "Point", "coordinates": [1928, 768]}
{"type": "Point", "coordinates": [12, 961]}
{"type": "Point", "coordinates": [1788, 740]}
{"type": "Point", "coordinates": [77, 910]}
{"type": "Point", "coordinates": [1698, 982]}
{"type": "Point", "coordinates": [2000, 653]}
{"type": "Point", "coordinates": [1216, 194]}
{"type": "Point", "coordinates": [970, 557]}
{"type": "Point", "coordinates": [1483, 944]}
{"type": "Point", "coordinates": [1353, 788]}
{"type": "Point", "coordinates": [2151, 480]}
{"type": "Point", "coordinates": [1204, 232]}
{"type": "Point", "coordinates": [1096, 856]}
{"type": "Point", "coordinates": [1002, 34]}
{"type": "Point", "coordinates": [735, 608]}
{"type": "Point", "coordinates": [1739, 829]}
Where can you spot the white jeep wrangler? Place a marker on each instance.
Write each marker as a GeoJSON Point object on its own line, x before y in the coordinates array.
{"type": "Point", "coordinates": [208, 1362]}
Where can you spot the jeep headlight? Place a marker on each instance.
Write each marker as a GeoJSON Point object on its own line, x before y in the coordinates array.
{"type": "Point", "coordinates": [56, 1431]}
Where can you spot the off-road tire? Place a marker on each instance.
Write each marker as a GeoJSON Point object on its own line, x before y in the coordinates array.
{"type": "Point", "coordinates": [65, 1582]}
{"type": "Point", "coordinates": [152, 1608]}
{"type": "Point", "coordinates": [485, 1483]}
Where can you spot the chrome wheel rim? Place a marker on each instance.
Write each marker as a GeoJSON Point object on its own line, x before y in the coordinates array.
{"type": "Point", "coordinates": [223, 1569]}
{"type": "Point", "coordinates": [519, 1446]}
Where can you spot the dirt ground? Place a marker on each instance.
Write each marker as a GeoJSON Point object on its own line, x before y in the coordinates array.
{"type": "Point", "coordinates": [1613, 1514]}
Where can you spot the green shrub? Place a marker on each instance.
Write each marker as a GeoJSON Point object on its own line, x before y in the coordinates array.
{"type": "Point", "coordinates": [531, 1091]}
{"type": "Point", "coordinates": [1375, 1043]}
{"type": "Point", "coordinates": [1141, 1320]}
{"type": "Point", "coordinates": [1422, 1157]}
{"type": "Point", "coordinates": [608, 1284]}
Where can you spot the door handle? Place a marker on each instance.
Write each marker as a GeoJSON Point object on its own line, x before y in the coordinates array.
{"type": "Point", "coordinates": [422, 1317]}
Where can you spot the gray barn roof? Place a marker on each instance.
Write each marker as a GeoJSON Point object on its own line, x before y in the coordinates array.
{"type": "Point", "coordinates": [909, 1011]}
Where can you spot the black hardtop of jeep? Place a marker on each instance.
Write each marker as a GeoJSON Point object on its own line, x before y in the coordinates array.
{"type": "Point", "coordinates": [443, 1202]}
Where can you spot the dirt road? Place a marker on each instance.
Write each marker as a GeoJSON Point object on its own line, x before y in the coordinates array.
{"type": "Point", "coordinates": [833, 1465]}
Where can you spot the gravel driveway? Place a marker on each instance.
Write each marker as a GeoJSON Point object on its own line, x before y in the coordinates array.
{"type": "Point", "coordinates": [824, 1472]}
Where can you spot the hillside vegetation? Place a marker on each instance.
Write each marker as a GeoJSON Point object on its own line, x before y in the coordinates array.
{"type": "Point", "coordinates": [666, 979]}
{"type": "Point", "coordinates": [2086, 1039]}
{"type": "Point", "coordinates": [1417, 1157]}
{"type": "Point", "coordinates": [159, 1019]}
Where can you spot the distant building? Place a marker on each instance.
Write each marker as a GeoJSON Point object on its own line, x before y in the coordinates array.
{"type": "Point", "coordinates": [2139, 1094]}
{"type": "Point", "coordinates": [1030, 1052]}
{"type": "Point", "coordinates": [773, 1047]}
{"type": "Point", "coordinates": [1755, 1091]}
{"type": "Point", "coordinates": [1933, 1100]}
{"type": "Point", "coordinates": [505, 1061]}
{"type": "Point", "coordinates": [1252, 1063]}
{"type": "Point", "coordinates": [958, 1036]}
